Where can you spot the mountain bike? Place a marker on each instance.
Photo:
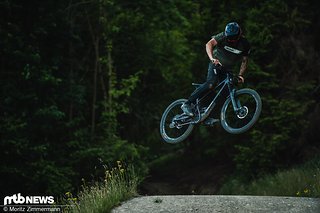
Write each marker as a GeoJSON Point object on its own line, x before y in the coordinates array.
{"type": "Point", "coordinates": [239, 112]}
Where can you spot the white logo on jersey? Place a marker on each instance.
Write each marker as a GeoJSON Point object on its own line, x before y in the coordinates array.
{"type": "Point", "coordinates": [230, 49]}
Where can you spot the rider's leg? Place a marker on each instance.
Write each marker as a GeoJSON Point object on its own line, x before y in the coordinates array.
{"type": "Point", "coordinates": [220, 75]}
{"type": "Point", "coordinates": [205, 87]}
{"type": "Point", "coordinates": [209, 84]}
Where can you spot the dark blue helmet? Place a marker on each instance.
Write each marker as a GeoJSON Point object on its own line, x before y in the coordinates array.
{"type": "Point", "coordinates": [232, 31]}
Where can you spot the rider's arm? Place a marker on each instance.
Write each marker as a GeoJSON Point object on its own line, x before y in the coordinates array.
{"type": "Point", "coordinates": [209, 47]}
{"type": "Point", "coordinates": [243, 67]}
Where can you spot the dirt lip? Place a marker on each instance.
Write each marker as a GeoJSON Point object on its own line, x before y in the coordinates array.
{"type": "Point", "coordinates": [219, 203]}
{"type": "Point", "coordinates": [182, 177]}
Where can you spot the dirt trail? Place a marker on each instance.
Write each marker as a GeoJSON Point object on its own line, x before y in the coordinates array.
{"type": "Point", "coordinates": [218, 203]}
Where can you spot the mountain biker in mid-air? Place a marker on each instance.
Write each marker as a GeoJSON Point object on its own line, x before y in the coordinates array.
{"type": "Point", "coordinates": [226, 48]}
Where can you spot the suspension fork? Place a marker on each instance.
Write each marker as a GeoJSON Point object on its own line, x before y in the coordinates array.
{"type": "Point", "coordinates": [232, 91]}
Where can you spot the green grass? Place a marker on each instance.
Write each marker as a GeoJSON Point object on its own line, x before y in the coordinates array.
{"type": "Point", "coordinates": [119, 185]}
{"type": "Point", "coordinates": [301, 181]}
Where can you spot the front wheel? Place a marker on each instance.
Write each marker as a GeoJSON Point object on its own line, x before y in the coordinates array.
{"type": "Point", "coordinates": [249, 107]}
{"type": "Point", "coordinates": [174, 125]}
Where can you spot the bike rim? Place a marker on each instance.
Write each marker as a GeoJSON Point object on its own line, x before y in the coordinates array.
{"type": "Point", "coordinates": [248, 108]}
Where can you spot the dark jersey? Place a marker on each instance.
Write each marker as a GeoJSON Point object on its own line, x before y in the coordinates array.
{"type": "Point", "coordinates": [230, 53]}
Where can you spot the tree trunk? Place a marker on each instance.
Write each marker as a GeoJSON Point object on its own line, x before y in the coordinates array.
{"type": "Point", "coordinates": [71, 51]}
{"type": "Point", "coordinates": [110, 79]}
{"type": "Point", "coordinates": [94, 95]}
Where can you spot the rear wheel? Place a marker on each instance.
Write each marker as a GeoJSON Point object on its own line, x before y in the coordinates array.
{"type": "Point", "coordinates": [174, 125]}
{"type": "Point", "coordinates": [249, 104]}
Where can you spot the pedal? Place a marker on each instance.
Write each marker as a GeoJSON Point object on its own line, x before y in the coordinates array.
{"type": "Point", "coordinates": [211, 121]}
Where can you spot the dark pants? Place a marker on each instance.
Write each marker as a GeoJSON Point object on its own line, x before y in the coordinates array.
{"type": "Point", "coordinates": [215, 73]}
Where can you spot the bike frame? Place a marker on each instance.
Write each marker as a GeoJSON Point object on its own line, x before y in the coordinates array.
{"type": "Point", "coordinates": [227, 82]}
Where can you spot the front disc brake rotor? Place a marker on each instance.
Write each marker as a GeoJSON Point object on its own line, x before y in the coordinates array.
{"type": "Point", "coordinates": [243, 112]}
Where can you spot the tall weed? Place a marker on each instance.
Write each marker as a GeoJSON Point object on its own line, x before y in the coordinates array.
{"type": "Point", "coordinates": [119, 184]}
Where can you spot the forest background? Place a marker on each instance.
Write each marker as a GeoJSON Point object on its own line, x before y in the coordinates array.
{"type": "Point", "coordinates": [84, 84]}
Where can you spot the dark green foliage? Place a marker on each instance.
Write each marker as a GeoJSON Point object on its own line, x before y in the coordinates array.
{"type": "Point", "coordinates": [85, 83]}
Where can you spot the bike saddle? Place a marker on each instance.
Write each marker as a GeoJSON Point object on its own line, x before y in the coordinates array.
{"type": "Point", "coordinates": [196, 84]}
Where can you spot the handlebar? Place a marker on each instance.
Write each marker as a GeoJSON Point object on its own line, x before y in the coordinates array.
{"type": "Point", "coordinates": [219, 63]}
{"type": "Point", "coordinates": [237, 77]}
